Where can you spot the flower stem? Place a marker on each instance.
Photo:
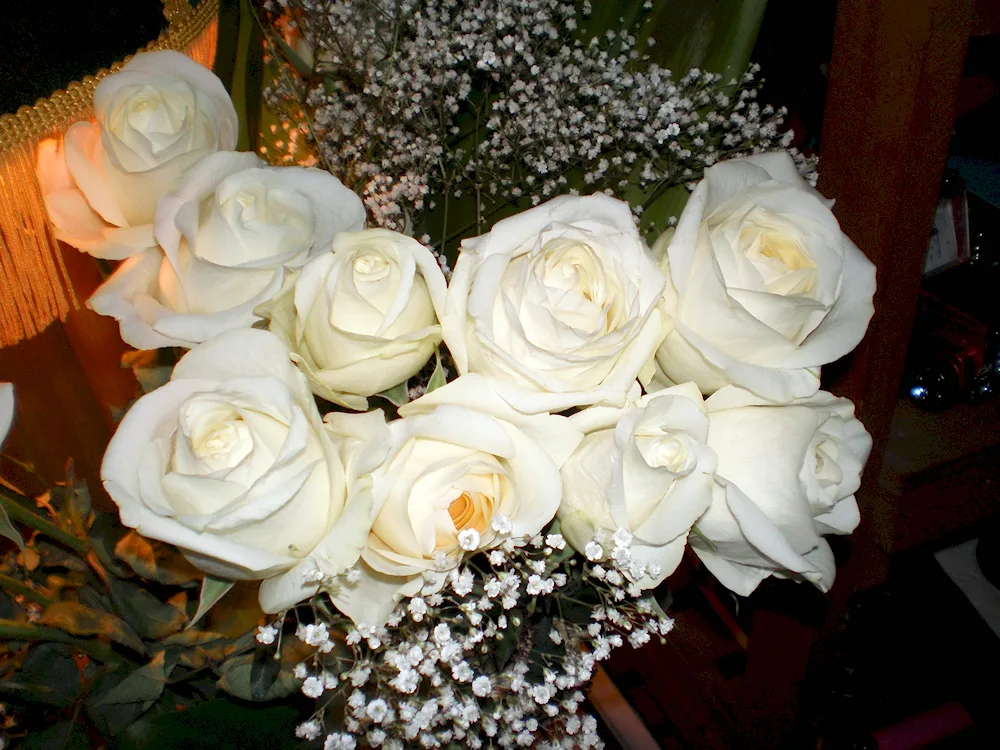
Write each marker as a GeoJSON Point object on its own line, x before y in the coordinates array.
{"type": "Point", "coordinates": [17, 512]}
{"type": "Point", "coordinates": [16, 587]}
{"type": "Point", "coordinates": [20, 631]}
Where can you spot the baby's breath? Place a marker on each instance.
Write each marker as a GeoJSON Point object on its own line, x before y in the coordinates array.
{"type": "Point", "coordinates": [473, 661]}
{"type": "Point", "coordinates": [469, 106]}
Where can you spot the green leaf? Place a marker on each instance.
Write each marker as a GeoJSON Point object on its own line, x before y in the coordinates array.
{"type": "Point", "coordinates": [398, 395]}
{"type": "Point", "coordinates": [155, 561]}
{"type": "Point", "coordinates": [151, 367]}
{"type": "Point", "coordinates": [247, 87]}
{"type": "Point", "coordinates": [57, 557]}
{"type": "Point", "coordinates": [77, 501]}
{"type": "Point", "coordinates": [663, 598]}
{"type": "Point", "coordinates": [212, 590]}
{"type": "Point", "coordinates": [66, 735]}
{"type": "Point", "coordinates": [257, 677]}
{"type": "Point", "coordinates": [293, 58]}
{"type": "Point", "coordinates": [437, 377]}
{"type": "Point", "coordinates": [8, 530]}
{"type": "Point", "coordinates": [49, 675]}
{"type": "Point", "coordinates": [104, 535]}
{"type": "Point", "coordinates": [218, 723]}
{"type": "Point", "coordinates": [77, 619]}
{"type": "Point", "coordinates": [696, 533]}
{"type": "Point", "coordinates": [225, 50]}
{"type": "Point", "coordinates": [147, 615]}
{"type": "Point", "coordinates": [144, 684]}
{"type": "Point", "coordinates": [199, 648]}
{"type": "Point", "coordinates": [717, 36]}
{"type": "Point", "coordinates": [505, 648]}
{"type": "Point", "coordinates": [263, 673]}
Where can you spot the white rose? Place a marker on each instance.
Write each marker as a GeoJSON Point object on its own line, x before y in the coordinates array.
{"type": "Point", "coordinates": [363, 318]}
{"type": "Point", "coordinates": [155, 118]}
{"type": "Point", "coordinates": [6, 409]}
{"type": "Point", "coordinates": [763, 287]}
{"type": "Point", "coordinates": [557, 305]}
{"type": "Point", "coordinates": [645, 469]}
{"type": "Point", "coordinates": [787, 474]}
{"type": "Point", "coordinates": [227, 234]}
{"type": "Point", "coordinates": [454, 463]}
{"type": "Point", "coordinates": [230, 462]}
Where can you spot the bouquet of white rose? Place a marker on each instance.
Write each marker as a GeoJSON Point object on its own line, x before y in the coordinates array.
{"type": "Point", "coordinates": [462, 531]}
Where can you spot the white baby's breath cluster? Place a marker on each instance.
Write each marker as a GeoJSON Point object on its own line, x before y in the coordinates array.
{"type": "Point", "coordinates": [476, 105]}
{"type": "Point", "coordinates": [497, 658]}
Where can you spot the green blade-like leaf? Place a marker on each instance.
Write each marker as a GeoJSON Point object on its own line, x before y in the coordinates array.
{"type": "Point", "coordinates": [143, 685]}
{"type": "Point", "coordinates": [715, 36]}
{"type": "Point", "coordinates": [198, 648]}
{"type": "Point", "coordinates": [77, 619]}
{"type": "Point", "coordinates": [8, 530]}
{"type": "Point", "coordinates": [155, 561]}
{"type": "Point", "coordinates": [147, 615]}
{"type": "Point", "coordinates": [437, 377]}
{"type": "Point", "coordinates": [247, 88]}
{"type": "Point", "coordinates": [212, 590]}
{"type": "Point", "coordinates": [49, 675]}
{"type": "Point", "coordinates": [398, 395]}
{"type": "Point", "coordinates": [257, 677]}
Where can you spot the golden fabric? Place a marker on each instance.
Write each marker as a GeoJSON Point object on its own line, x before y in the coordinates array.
{"type": "Point", "coordinates": [35, 288]}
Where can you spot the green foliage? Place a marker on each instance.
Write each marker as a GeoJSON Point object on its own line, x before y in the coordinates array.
{"type": "Point", "coordinates": [398, 395]}
{"type": "Point", "coordinates": [7, 530]}
{"type": "Point", "coordinates": [213, 725]}
{"type": "Point", "coordinates": [212, 590]}
{"type": "Point", "coordinates": [438, 378]}
{"type": "Point", "coordinates": [76, 619]}
{"type": "Point", "coordinates": [156, 561]}
{"type": "Point", "coordinates": [717, 36]}
{"type": "Point", "coordinates": [101, 639]}
{"type": "Point", "coordinates": [66, 735]}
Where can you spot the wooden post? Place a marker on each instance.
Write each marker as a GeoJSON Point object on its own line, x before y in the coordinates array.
{"type": "Point", "coordinates": [894, 76]}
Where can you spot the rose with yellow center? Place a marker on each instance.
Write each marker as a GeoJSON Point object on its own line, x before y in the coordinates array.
{"type": "Point", "coordinates": [440, 481]}
{"type": "Point", "coordinates": [763, 287]}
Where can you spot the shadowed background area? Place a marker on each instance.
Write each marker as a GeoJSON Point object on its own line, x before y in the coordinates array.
{"type": "Point", "coordinates": [46, 46]}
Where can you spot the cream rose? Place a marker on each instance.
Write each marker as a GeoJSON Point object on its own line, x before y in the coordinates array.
{"type": "Point", "coordinates": [645, 469]}
{"type": "Point", "coordinates": [437, 480]}
{"type": "Point", "coordinates": [6, 409]}
{"type": "Point", "coordinates": [230, 462]}
{"type": "Point", "coordinates": [155, 118]}
{"type": "Point", "coordinates": [787, 474]}
{"type": "Point", "coordinates": [557, 305]}
{"type": "Point", "coordinates": [362, 318]}
{"type": "Point", "coordinates": [763, 287]}
{"type": "Point", "coordinates": [227, 234]}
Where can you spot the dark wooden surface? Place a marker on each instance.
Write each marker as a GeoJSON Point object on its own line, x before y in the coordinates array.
{"type": "Point", "coordinates": [68, 384]}
{"type": "Point", "coordinates": [894, 77]}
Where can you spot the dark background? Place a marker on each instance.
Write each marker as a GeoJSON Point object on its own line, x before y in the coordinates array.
{"type": "Point", "coordinates": [48, 45]}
